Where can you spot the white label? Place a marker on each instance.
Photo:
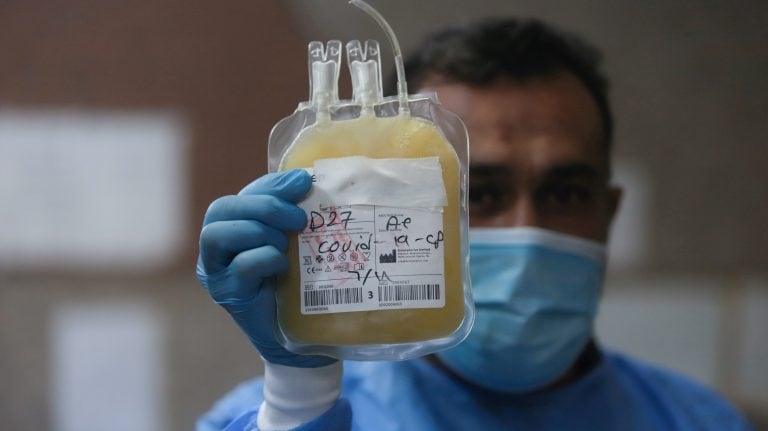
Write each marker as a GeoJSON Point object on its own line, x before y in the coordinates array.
{"type": "Point", "coordinates": [370, 257]}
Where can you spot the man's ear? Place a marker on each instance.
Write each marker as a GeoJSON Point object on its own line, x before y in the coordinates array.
{"type": "Point", "coordinates": [615, 195]}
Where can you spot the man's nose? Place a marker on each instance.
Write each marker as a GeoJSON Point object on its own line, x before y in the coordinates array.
{"type": "Point", "coordinates": [521, 213]}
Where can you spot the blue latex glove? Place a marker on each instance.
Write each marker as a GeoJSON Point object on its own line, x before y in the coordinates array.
{"type": "Point", "coordinates": [242, 247]}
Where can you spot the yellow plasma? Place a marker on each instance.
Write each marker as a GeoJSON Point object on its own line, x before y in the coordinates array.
{"type": "Point", "coordinates": [394, 137]}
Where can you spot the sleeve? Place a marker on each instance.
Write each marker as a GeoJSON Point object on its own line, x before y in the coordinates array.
{"type": "Point", "coordinates": [685, 403]}
{"type": "Point", "coordinates": [240, 400]}
{"type": "Point", "coordinates": [337, 418]}
{"type": "Point", "coordinates": [287, 398]}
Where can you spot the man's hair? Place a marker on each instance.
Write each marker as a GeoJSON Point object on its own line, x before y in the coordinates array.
{"type": "Point", "coordinates": [501, 49]}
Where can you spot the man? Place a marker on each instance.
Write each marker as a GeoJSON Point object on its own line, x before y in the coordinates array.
{"type": "Point", "coordinates": [541, 205]}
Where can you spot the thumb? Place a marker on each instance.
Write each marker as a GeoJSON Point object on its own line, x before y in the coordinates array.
{"type": "Point", "coordinates": [290, 186]}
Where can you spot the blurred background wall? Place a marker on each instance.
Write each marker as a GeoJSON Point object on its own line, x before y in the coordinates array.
{"type": "Point", "coordinates": [121, 121]}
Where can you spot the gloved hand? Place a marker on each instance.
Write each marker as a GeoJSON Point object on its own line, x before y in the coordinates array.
{"type": "Point", "coordinates": [242, 246]}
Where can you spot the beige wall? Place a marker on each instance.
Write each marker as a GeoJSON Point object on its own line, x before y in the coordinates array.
{"type": "Point", "coordinates": [228, 74]}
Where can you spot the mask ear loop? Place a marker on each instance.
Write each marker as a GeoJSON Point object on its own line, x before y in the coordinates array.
{"type": "Point", "coordinates": [402, 86]}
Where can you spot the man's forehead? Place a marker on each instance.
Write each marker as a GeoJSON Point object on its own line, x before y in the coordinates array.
{"type": "Point", "coordinates": [558, 98]}
{"type": "Point", "coordinates": [540, 119]}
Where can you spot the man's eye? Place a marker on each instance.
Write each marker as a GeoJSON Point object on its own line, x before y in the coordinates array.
{"type": "Point", "coordinates": [566, 196]}
{"type": "Point", "coordinates": [486, 199]}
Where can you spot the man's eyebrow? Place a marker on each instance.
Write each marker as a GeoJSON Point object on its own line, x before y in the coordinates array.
{"type": "Point", "coordinates": [574, 170]}
{"type": "Point", "coordinates": [489, 169]}
{"type": "Point", "coordinates": [563, 171]}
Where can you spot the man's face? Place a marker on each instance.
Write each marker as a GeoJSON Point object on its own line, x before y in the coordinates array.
{"type": "Point", "coordinates": [536, 158]}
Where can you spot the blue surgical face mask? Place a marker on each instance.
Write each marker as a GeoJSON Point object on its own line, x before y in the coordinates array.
{"type": "Point", "coordinates": [536, 294]}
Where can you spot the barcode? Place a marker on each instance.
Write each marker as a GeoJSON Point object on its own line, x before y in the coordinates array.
{"type": "Point", "coordinates": [349, 295]}
{"type": "Point", "coordinates": [409, 292]}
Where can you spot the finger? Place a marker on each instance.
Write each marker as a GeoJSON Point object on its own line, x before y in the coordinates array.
{"type": "Point", "coordinates": [241, 282]}
{"type": "Point", "coordinates": [270, 210]}
{"type": "Point", "coordinates": [255, 264]}
{"type": "Point", "coordinates": [221, 241]}
{"type": "Point", "coordinates": [291, 185]}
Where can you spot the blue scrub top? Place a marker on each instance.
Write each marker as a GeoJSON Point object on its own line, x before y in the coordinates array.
{"type": "Point", "coordinates": [618, 394]}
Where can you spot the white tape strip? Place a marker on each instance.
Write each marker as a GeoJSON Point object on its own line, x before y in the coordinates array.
{"type": "Point", "coordinates": [404, 183]}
